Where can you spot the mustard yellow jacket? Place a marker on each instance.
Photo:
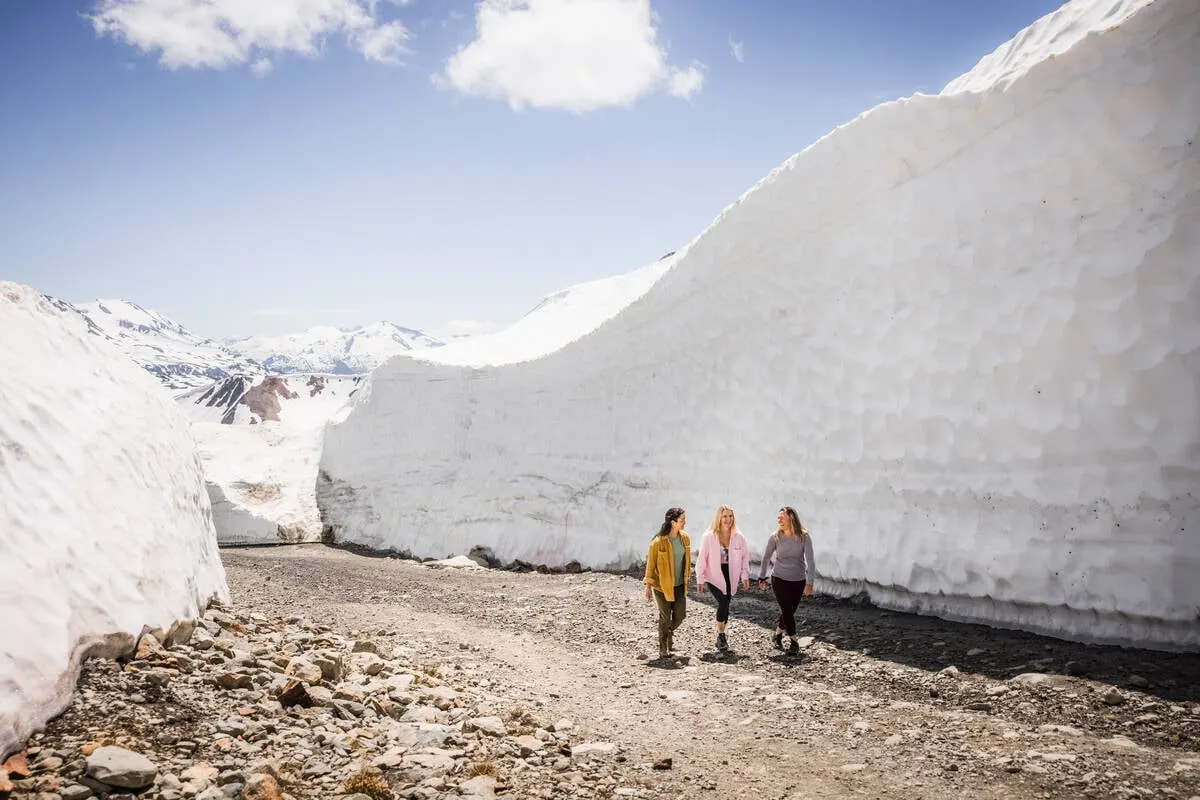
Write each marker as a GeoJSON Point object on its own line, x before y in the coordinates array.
{"type": "Point", "coordinates": [660, 565]}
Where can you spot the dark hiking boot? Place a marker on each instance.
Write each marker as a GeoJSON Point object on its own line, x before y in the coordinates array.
{"type": "Point", "coordinates": [793, 648]}
{"type": "Point", "coordinates": [777, 640]}
{"type": "Point", "coordinates": [722, 644]}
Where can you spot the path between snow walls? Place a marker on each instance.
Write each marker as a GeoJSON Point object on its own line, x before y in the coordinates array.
{"type": "Point", "coordinates": [105, 525]}
{"type": "Point", "coordinates": [960, 334]}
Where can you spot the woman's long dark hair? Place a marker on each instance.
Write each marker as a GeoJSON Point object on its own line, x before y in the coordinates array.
{"type": "Point", "coordinates": [797, 526]}
{"type": "Point", "coordinates": [672, 515]}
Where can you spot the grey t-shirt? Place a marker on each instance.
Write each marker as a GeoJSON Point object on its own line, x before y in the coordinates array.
{"type": "Point", "coordinates": [793, 558]}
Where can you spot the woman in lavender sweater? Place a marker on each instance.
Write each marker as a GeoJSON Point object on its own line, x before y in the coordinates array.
{"type": "Point", "coordinates": [795, 569]}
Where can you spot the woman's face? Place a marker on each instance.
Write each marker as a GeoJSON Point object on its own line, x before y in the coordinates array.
{"type": "Point", "coordinates": [727, 520]}
{"type": "Point", "coordinates": [680, 521]}
{"type": "Point", "coordinates": [783, 520]}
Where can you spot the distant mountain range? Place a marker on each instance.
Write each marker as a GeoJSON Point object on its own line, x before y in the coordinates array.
{"type": "Point", "coordinates": [339, 351]}
{"type": "Point", "coordinates": [182, 360]}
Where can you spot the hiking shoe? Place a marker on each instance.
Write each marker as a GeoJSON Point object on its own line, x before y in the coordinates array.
{"type": "Point", "coordinates": [777, 639]}
{"type": "Point", "coordinates": [722, 644]}
{"type": "Point", "coordinates": [793, 648]}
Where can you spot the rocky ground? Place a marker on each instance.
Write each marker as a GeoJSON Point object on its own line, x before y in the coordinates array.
{"type": "Point", "coordinates": [336, 674]}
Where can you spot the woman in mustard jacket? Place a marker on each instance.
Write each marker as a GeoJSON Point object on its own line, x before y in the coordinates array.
{"type": "Point", "coordinates": [668, 567]}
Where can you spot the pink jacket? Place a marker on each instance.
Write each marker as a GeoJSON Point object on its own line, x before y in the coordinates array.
{"type": "Point", "coordinates": [708, 562]}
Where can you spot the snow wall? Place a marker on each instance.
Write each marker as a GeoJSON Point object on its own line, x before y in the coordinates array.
{"type": "Point", "coordinates": [105, 525]}
{"type": "Point", "coordinates": [959, 334]}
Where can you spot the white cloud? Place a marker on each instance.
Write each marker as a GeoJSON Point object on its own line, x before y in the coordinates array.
{"type": "Point", "coordinates": [686, 83]}
{"type": "Point", "coordinates": [262, 66]}
{"type": "Point", "coordinates": [576, 55]}
{"type": "Point", "coordinates": [737, 50]}
{"type": "Point", "coordinates": [223, 33]}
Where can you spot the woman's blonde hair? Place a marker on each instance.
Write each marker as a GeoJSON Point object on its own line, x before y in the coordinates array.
{"type": "Point", "coordinates": [793, 518]}
{"type": "Point", "coordinates": [715, 527]}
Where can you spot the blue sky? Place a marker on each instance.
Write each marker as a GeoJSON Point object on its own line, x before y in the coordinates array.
{"type": "Point", "coordinates": [261, 167]}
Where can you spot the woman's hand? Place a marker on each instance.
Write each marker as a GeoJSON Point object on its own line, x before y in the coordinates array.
{"type": "Point", "coordinates": [649, 593]}
{"type": "Point", "coordinates": [808, 590]}
{"type": "Point", "coordinates": [762, 583]}
{"type": "Point", "coordinates": [699, 588]}
{"type": "Point", "coordinates": [745, 583]}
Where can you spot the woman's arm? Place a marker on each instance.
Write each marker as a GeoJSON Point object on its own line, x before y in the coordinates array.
{"type": "Point", "coordinates": [701, 563]}
{"type": "Point", "coordinates": [651, 577]}
{"type": "Point", "coordinates": [745, 563]}
{"type": "Point", "coordinates": [770, 551]}
{"type": "Point", "coordinates": [810, 565]}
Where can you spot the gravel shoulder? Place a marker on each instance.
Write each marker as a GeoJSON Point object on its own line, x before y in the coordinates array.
{"type": "Point", "coordinates": [880, 704]}
{"type": "Point", "coordinates": [432, 683]}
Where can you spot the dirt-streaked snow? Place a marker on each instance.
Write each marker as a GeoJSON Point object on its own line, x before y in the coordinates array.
{"type": "Point", "coordinates": [959, 333]}
{"type": "Point", "coordinates": [105, 525]}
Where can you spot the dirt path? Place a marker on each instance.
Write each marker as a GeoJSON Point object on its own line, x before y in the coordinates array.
{"type": "Point", "coordinates": [870, 710]}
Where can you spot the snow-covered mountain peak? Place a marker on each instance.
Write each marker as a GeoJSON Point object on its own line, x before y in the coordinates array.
{"type": "Point", "coordinates": [339, 351]}
{"type": "Point", "coordinates": [120, 316]}
{"type": "Point", "coordinates": [160, 345]}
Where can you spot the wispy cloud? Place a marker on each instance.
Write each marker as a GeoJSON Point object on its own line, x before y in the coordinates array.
{"type": "Point", "coordinates": [686, 83]}
{"type": "Point", "coordinates": [737, 50]}
{"type": "Point", "coordinates": [224, 33]}
{"type": "Point", "coordinates": [575, 55]}
{"type": "Point", "coordinates": [295, 312]}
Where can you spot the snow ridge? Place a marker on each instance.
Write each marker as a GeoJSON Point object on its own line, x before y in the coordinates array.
{"type": "Point", "coordinates": [105, 526]}
{"type": "Point", "coordinates": [961, 334]}
{"type": "Point", "coordinates": [177, 357]}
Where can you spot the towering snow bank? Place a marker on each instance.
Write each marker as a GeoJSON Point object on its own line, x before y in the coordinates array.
{"type": "Point", "coordinates": [960, 334]}
{"type": "Point", "coordinates": [260, 442]}
{"type": "Point", "coordinates": [105, 526]}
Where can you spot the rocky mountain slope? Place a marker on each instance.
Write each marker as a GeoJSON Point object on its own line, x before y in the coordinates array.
{"type": "Point", "coordinates": [161, 346]}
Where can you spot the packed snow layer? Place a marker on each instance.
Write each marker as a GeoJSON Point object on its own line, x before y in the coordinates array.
{"type": "Point", "coordinates": [341, 351]}
{"type": "Point", "coordinates": [260, 442]}
{"type": "Point", "coordinates": [960, 334]}
{"type": "Point", "coordinates": [105, 526]}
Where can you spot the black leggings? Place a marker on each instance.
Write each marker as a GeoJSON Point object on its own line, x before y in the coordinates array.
{"type": "Point", "coordinates": [722, 598]}
{"type": "Point", "coordinates": [787, 594]}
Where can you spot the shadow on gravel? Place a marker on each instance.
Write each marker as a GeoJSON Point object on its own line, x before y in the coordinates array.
{"type": "Point", "coordinates": [666, 663]}
{"type": "Point", "coordinates": [931, 644]}
{"type": "Point", "coordinates": [722, 658]}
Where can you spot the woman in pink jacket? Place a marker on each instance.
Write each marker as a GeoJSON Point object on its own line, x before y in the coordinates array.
{"type": "Point", "coordinates": [723, 563]}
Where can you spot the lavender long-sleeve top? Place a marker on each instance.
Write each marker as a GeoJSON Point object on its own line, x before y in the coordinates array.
{"type": "Point", "coordinates": [794, 559]}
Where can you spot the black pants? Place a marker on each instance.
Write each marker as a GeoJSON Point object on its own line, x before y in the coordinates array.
{"type": "Point", "coordinates": [722, 598]}
{"type": "Point", "coordinates": [787, 594]}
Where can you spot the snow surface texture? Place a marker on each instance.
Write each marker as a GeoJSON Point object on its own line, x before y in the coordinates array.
{"type": "Point", "coordinates": [260, 442]}
{"type": "Point", "coordinates": [340, 351]}
{"type": "Point", "coordinates": [959, 333]}
{"type": "Point", "coordinates": [177, 357]}
{"type": "Point", "coordinates": [105, 526]}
